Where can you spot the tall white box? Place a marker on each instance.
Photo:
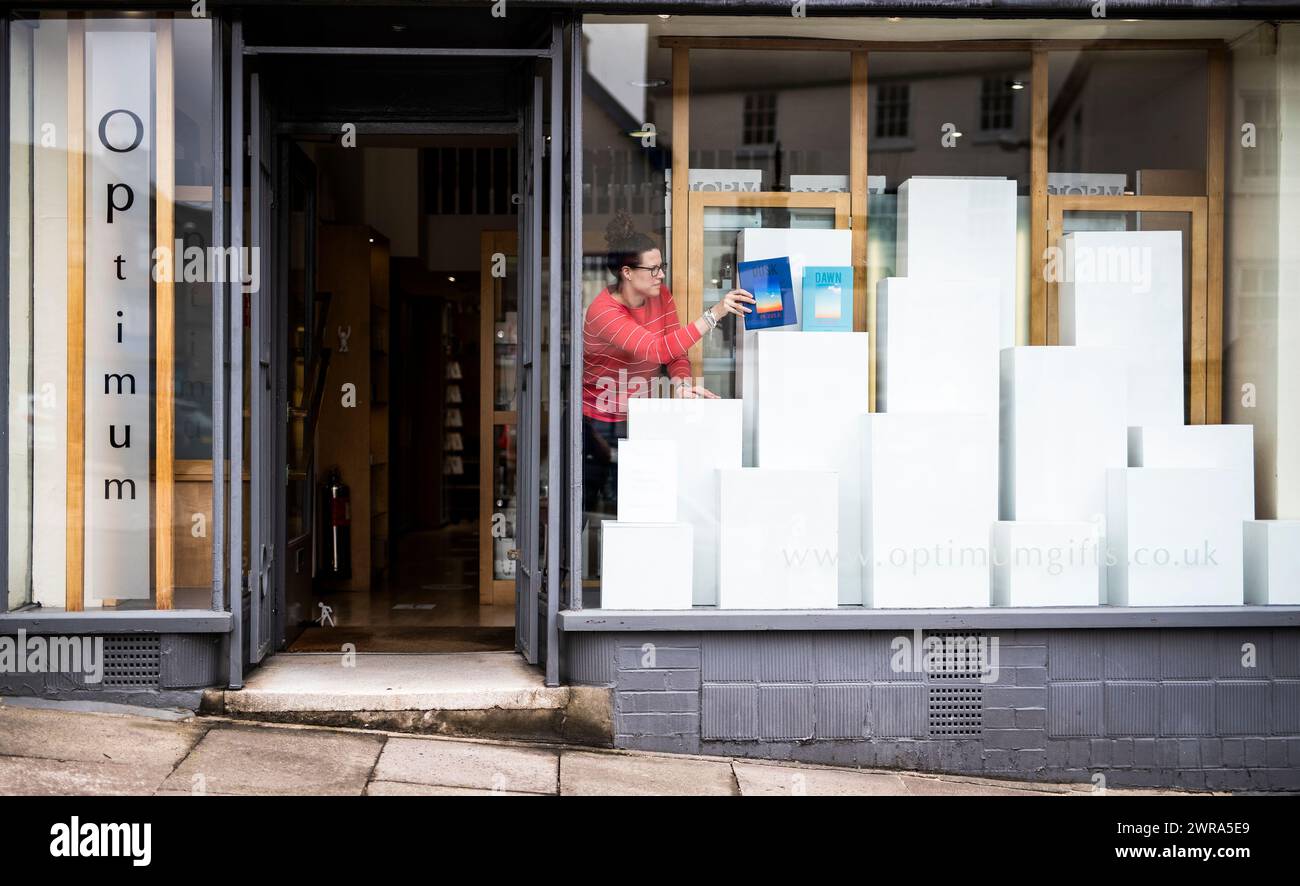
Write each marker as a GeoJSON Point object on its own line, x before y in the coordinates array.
{"type": "Point", "coordinates": [779, 539]}
{"type": "Point", "coordinates": [645, 565]}
{"type": "Point", "coordinates": [964, 228]}
{"type": "Point", "coordinates": [647, 481]}
{"type": "Point", "coordinates": [810, 393]}
{"type": "Point", "coordinates": [1174, 536]}
{"type": "Point", "coordinates": [1063, 426]}
{"type": "Point", "coordinates": [1124, 289]}
{"type": "Point", "coordinates": [803, 246]}
{"type": "Point", "coordinates": [1272, 562]}
{"type": "Point", "coordinates": [1196, 446]}
{"type": "Point", "coordinates": [1046, 564]}
{"type": "Point", "coordinates": [707, 433]}
{"type": "Point", "coordinates": [937, 345]}
{"type": "Point", "coordinates": [929, 501]}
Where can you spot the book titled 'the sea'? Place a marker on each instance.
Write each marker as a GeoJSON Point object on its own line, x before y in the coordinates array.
{"type": "Point", "coordinates": [827, 299]}
{"type": "Point", "coordinates": [769, 281]}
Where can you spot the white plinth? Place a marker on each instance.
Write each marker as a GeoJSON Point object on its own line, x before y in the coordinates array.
{"type": "Point", "coordinates": [647, 481]}
{"type": "Point", "coordinates": [1174, 536]}
{"type": "Point", "coordinates": [1046, 564]}
{"type": "Point", "coordinates": [707, 433]}
{"type": "Point", "coordinates": [779, 540]}
{"type": "Point", "coordinates": [937, 346]}
{"type": "Point", "coordinates": [929, 504]}
{"type": "Point", "coordinates": [1272, 562]}
{"type": "Point", "coordinates": [811, 392]}
{"type": "Point", "coordinates": [1063, 426]}
{"type": "Point", "coordinates": [1195, 446]}
{"type": "Point", "coordinates": [646, 565]}
{"type": "Point", "coordinates": [1124, 289]}
{"type": "Point", "coordinates": [961, 228]}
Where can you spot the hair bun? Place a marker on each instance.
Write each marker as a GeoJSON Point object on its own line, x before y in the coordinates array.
{"type": "Point", "coordinates": [620, 230]}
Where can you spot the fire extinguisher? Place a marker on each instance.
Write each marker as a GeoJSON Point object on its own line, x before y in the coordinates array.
{"type": "Point", "coordinates": [338, 529]}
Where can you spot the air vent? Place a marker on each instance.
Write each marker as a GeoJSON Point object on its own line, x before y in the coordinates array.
{"type": "Point", "coordinates": [956, 711]}
{"type": "Point", "coordinates": [961, 655]}
{"type": "Point", "coordinates": [132, 661]}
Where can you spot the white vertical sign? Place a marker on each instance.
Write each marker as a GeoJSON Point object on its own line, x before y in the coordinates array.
{"type": "Point", "coordinates": [119, 171]}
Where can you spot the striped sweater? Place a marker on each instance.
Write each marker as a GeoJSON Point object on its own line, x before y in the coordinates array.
{"type": "Point", "coordinates": [624, 348]}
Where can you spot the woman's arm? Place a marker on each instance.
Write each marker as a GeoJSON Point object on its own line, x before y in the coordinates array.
{"type": "Point", "coordinates": [617, 328]}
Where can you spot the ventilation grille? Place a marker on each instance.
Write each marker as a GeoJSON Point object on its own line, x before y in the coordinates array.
{"type": "Point", "coordinates": [956, 711]}
{"type": "Point", "coordinates": [960, 655]}
{"type": "Point", "coordinates": [132, 661]}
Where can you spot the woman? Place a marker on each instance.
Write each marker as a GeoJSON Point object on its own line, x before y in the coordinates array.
{"type": "Point", "coordinates": [630, 334]}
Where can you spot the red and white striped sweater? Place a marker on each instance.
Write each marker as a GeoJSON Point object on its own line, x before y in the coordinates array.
{"type": "Point", "coordinates": [624, 348]}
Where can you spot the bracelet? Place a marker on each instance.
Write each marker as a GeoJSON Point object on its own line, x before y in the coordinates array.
{"type": "Point", "coordinates": [710, 319]}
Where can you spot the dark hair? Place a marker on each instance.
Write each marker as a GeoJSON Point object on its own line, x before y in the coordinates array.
{"type": "Point", "coordinates": [625, 243]}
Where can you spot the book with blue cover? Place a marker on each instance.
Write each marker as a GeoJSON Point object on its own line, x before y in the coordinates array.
{"type": "Point", "coordinates": [772, 286]}
{"type": "Point", "coordinates": [827, 299]}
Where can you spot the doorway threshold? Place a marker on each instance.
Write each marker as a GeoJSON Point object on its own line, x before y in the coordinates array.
{"type": "Point", "coordinates": [483, 694]}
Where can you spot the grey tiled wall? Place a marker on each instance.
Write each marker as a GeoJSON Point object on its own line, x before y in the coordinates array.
{"type": "Point", "coordinates": [1198, 708]}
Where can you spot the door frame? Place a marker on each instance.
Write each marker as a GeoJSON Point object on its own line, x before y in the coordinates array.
{"type": "Point", "coordinates": [540, 596]}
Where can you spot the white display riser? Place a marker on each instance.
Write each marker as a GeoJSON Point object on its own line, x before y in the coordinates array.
{"type": "Point", "coordinates": [647, 481]}
{"type": "Point", "coordinates": [646, 565]}
{"type": "Point", "coordinates": [1174, 536]}
{"type": "Point", "coordinates": [963, 228]}
{"type": "Point", "coordinates": [803, 246]}
{"type": "Point", "coordinates": [1062, 428]}
{"type": "Point", "coordinates": [1195, 446]}
{"type": "Point", "coordinates": [779, 540]}
{"type": "Point", "coordinates": [929, 501]}
{"type": "Point", "coordinates": [809, 392]}
{"type": "Point", "coordinates": [937, 345]}
{"type": "Point", "coordinates": [1272, 562]}
{"type": "Point", "coordinates": [707, 433]}
{"type": "Point", "coordinates": [1046, 564]}
{"type": "Point", "coordinates": [1124, 289]}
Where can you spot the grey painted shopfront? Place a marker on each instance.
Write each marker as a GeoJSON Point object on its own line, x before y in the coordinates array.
{"type": "Point", "coordinates": [1193, 697]}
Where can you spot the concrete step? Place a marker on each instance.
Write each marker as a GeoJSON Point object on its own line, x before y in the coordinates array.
{"type": "Point", "coordinates": [480, 694]}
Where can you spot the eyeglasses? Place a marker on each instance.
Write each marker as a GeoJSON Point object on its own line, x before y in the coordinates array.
{"type": "Point", "coordinates": [655, 270]}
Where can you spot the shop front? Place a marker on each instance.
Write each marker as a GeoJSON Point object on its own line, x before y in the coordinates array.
{"type": "Point", "coordinates": [409, 329]}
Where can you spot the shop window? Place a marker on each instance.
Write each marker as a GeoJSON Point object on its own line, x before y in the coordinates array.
{"type": "Point", "coordinates": [111, 281]}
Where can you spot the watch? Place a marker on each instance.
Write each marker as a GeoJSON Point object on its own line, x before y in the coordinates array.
{"type": "Point", "coordinates": [710, 319]}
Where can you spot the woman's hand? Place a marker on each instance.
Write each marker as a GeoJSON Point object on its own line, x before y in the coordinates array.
{"type": "Point", "coordinates": [734, 302]}
{"type": "Point", "coordinates": [688, 391]}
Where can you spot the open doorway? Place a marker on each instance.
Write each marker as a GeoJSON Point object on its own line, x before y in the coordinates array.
{"type": "Point", "coordinates": [401, 349]}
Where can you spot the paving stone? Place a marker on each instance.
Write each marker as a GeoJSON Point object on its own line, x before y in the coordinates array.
{"type": "Point", "coordinates": [587, 773]}
{"type": "Point", "coordinates": [457, 764]}
{"type": "Point", "coordinates": [759, 779]}
{"type": "Point", "coordinates": [237, 760]}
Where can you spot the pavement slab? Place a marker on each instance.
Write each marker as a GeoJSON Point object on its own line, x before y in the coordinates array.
{"type": "Point", "coordinates": [235, 760]}
{"type": "Point", "coordinates": [473, 765]}
{"type": "Point", "coordinates": [95, 738]}
{"type": "Point", "coordinates": [401, 789]}
{"type": "Point", "coordinates": [39, 776]}
{"type": "Point", "coordinates": [767, 780]}
{"type": "Point", "coordinates": [587, 773]}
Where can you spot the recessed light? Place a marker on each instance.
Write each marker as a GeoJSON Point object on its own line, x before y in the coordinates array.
{"type": "Point", "coordinates": [665, 17]}
{"type": "Point", "coordinates": [399, 28]}
{"type": "Point", "coordinates": [451, 279]}
{"type": "Point", "coordinates": [372, 239]}
{"type": "Point", "coordinates": [647, 84]}
{"type": "Point", "coordinates": [893, 19]}
{"type": "Point", "coordinates": [641, 133]}
{"type": "Point", "coordinates": [1017, 84]}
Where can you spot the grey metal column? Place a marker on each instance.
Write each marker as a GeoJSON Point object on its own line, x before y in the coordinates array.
{"type": "Point", "coordinates": [235, 549]}
{"type": "Point", "coordinates": [218, 324]}
{"type": "Point", "coordinates": [555, 413]}
{"type": "Point", "coordinates": [4, 311]}
{"type": "Point", "coordinates": [575, 314]}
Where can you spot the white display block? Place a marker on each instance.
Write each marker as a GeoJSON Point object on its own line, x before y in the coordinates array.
{"type": "Point", "coordinates": [937, 345]}
{"type": "Point", "coordinates": [1046, 564]}
{"type": "Point", "coordinates": [779, 540]}
{"type": "Point", "coordinates": [803, 246]}
{"type": "Point", "coordinates": [1272, 562]}
{"type": "Point", "coordinates": [961, 228]}
{"type": "Point", "coordinates": [646, 565]}
{"type": "Point", "coordinates": [929, 501]}
{"type": "Point", "coordinates": [707, 433]}
{"type": "Point", "coordinates": [1174, 536]}
{"type": "Point", "coordinates": [647, 481]}
{"type": "Point", "coordinates": [1196, 446]}
{"type": "Point", "coordinates": [1062, 428]}
{"type": "Point", "coordinates": [1124, 289]}
{"type": "Point", "coordinates": [808, 392]}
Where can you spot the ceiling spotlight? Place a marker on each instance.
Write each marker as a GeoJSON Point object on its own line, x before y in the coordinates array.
{"type": "Point", "coordinates": [665, 17]}
{"type": "Point", "coordinates": [893, 19]}
{"type": "Point", "coordinates": [399, 28]}
{"type": "Point", "coordinates": [1017, 84]}
{"type": "Point", "coordinates": [641, 133]}
{"type": "Point", "coordinates": [372, 239]}
{"type": "Point", "coordinates": [451, 279]}
{"type": "Point", "coordinates": [647, 84]}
